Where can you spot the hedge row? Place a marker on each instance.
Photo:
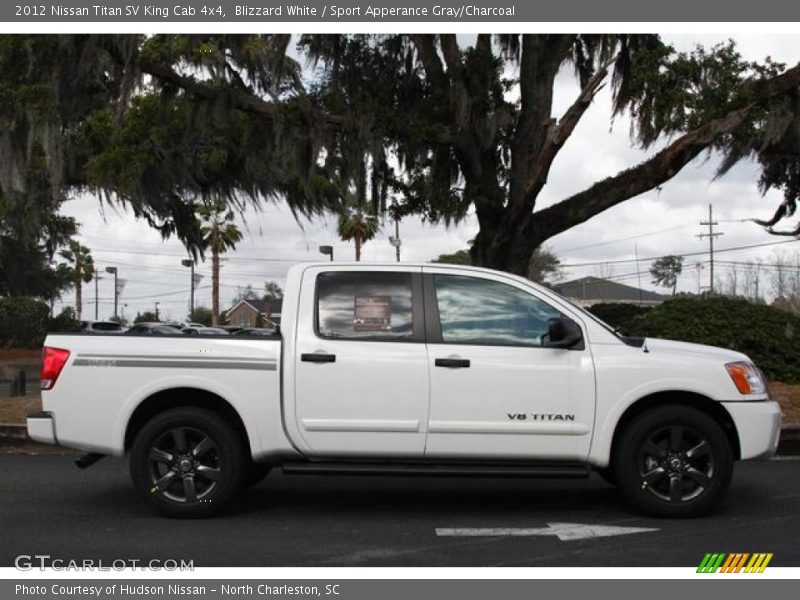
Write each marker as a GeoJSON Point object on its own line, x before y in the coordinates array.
{"type": "Point", "coordinates": [24, 322]}
{"type": "Point", "coordinates": [769, 336]}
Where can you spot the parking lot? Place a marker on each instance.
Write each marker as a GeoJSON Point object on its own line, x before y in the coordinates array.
{"type": "Point", "coordinates": [47, 506]}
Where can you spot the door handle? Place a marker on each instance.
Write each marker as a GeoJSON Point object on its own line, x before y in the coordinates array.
{"type": "Point", "coordinates": [452, 363]}
{"type": "Point", "coordinates": [318, 357]}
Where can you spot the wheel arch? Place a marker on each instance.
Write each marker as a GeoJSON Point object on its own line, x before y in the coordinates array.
{"type": "Point", "coordinates": [710, 407]}
{"type": "Point", "coordinates": [183, 397]}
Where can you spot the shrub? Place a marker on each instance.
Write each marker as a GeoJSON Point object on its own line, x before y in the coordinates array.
{"type": "Point", "coordinates": [769, 336]}
{"type": "Point", "coordinates": [618, 315]}
{"type": "Point", "coordinates": [201, 315]}
{"type": "Point", "coordinates": [64, 322]}
{"type": "Point", "coordinates": [23, 322]}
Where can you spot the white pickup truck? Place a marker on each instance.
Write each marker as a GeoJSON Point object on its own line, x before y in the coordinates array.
{"type": "Point", "coordinates": [410, 369]}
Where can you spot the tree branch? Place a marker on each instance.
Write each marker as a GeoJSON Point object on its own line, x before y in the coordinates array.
{"type": "Point", "coordinates": [540, 61]}
{"type": "Point", "coordinates": [426, 50]}
{"type": "Point", "coordinates": [660, 168]}
{"type": "Point", "coordinates": [244, 101]}
{"type": "Point", "coordinates": [240, 99]}
{"type": "Point", "coordinates": [637, 180]}
{"type": "Point", "coordinates": [451, 53]}
{"type": "Point", "coordinates": [791, 233]}
{"type": "Point", "coordinates": [558, 133]}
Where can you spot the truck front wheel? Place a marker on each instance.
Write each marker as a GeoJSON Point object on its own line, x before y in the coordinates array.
{"type": "Point", "coordinates": [187, 462]}
{"type": "Point", "coordinates": [673, 461]}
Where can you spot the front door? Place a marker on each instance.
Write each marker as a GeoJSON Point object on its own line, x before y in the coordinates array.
{"type": "Point", "coordinates": [361, 370]}
{"type": "Point", "coordinates": [496, 390]}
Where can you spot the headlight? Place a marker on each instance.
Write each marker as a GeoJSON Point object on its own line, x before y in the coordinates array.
{"type": "Point", "coordinates": [747, 378]}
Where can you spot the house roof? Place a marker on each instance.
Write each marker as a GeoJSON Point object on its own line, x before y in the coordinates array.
{"type": "Point", "coordinates": [273, 307]}
{"type": "Point", "coordinates": [595, 288]}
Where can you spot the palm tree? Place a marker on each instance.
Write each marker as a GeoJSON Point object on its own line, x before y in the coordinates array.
{"type": "Point", "coordinates": [82, 266]}
{"type": "Point", "coordinates": [219, 234]}
{"type": "Point", "coordinates": [357, 227]}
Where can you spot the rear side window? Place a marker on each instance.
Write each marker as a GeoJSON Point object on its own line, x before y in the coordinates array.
{"type": "Point", "coordinates": [361, 305]}
{"type": "Point", "coordinates": [106, 326]}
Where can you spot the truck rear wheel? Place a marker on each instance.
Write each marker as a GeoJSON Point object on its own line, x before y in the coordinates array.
{"type": "Point", "coordinates": [187, 462]}
{"type": "Point", "coordinates": [673, 461]}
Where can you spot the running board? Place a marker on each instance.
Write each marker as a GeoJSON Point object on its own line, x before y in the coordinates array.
{"type": "Point", "coordinates": [438, 470]}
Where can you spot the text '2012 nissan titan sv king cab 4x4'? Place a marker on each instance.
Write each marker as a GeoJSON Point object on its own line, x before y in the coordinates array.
{"type": "Point", "coordinates": [410, 369]}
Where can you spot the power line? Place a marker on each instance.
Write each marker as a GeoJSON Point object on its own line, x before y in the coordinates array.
{"type": "Point", "coordinates": [684, 255]}
{"type": "Point", "coordinates": [625, 239]}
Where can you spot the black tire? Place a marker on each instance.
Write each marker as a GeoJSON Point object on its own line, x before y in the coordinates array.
{"type": "Point", "coordinates": [255, 473]}
{"type": "Point", "coordinates": [187, 462]}
{"type": "Point", "coordinates": [673, 461]}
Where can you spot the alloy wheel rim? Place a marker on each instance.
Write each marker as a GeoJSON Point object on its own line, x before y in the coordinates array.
{"type": "Point", "coordinates": [184, 465]}
{"type": "Point", "coordinates": [676, 464]}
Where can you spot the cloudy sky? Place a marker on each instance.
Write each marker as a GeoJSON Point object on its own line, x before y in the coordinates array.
{"type": "Point", "coordinates": [654, 224]}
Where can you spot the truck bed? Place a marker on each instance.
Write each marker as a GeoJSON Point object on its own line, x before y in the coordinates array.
{"type": "Point", "coordinates": [108, 376]}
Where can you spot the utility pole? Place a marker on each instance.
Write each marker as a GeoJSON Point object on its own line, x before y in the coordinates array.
{"type": "Point", "coordinates": [96, 303]}
{"type": "Point", "coordinates": [157, 303]}
{"type": "Point", "coordinates": [186, 262]}
{"type": "Point", "coordinates": [710, 235]}
{"type": "Point", "coordinates": [638, 271]}
{"type": "Point", "coordinates": [113, 270]}
{"type": "Point", "coordinates": [395, 239]}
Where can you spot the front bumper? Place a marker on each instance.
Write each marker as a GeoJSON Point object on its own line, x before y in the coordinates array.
{"type": "Point", "coordinates": [758, 425]}
{"type": "Point", "coordinates": [42, 428]}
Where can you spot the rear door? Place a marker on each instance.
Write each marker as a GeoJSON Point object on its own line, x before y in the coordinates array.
{"type": "Point", "coordinates": [496, 390]}
{"type": "Point", "coordinates": [361, 370]}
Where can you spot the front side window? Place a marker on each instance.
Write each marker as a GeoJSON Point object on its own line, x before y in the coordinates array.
{"type": "Point", "coordinates": [484, 312]}
{"type": "Point", "coordinates": [365, 305]}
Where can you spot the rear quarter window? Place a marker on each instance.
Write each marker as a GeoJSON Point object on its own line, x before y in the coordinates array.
{"type": "Point", "coordinates": [365, 306]}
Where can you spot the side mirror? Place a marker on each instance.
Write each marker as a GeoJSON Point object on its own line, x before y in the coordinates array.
{"type": "Point", "coordinates": [563, 333]}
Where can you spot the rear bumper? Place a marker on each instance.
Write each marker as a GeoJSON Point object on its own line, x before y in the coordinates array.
{"type": "Point", "coordinates": [42, 428]}
{"type": "Point", "coordinates": [758, 425]}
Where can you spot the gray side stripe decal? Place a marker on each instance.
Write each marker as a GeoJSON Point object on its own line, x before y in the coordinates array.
{"type": "Point", "coordinates": [182, 364]}
{"type": "Point", "coordinates": [178, 357]}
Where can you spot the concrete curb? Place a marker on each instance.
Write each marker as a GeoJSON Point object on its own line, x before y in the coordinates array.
{"type": "Point", "coordinates": [789, 444]}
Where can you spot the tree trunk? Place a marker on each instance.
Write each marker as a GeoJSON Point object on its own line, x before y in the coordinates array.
{"type": "Point", "coordinates": [498, 245]}
{"type": "Point", "coordinates": [214, 288]}
{"type": "Point", "coordinates": [357, 239]}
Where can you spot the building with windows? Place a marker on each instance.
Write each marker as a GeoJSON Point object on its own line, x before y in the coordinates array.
{"type": "Point", "coordinates": [245, 313]}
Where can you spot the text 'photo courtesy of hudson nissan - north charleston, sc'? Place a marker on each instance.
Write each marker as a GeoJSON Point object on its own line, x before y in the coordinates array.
{"type": "Point", "coordinates": [410, 369]}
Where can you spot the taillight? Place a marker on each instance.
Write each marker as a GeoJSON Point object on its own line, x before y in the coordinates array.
{"type": "Point", "coordinates": [53, 360]}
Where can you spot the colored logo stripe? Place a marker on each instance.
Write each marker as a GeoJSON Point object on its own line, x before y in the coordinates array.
{"type": "Point", "coordinates": [758, 563]}
{"type": "Point", "coordinates": [711, 563]}
{"type": "Point", "coordinates": [734, 562]}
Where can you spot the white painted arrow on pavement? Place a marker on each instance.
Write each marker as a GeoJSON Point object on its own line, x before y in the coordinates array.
{"type": "Point", "coordinates": [565, 531]}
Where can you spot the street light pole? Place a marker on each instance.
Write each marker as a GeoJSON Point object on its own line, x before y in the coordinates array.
{"type": "Point", "coordinates": [327, 250]}
{"type": "Point", "coordinates": [157, 303]}
{"type": "Point", "coordinates": [96, 300]}
{"type": "Point", "coordinates": [190, 263]}
{"type": "Point", "coordinates": [116, 295]}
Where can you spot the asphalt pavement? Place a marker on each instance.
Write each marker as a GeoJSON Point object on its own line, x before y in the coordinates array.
{"type": "Point", "coordinates": [47, 506]}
